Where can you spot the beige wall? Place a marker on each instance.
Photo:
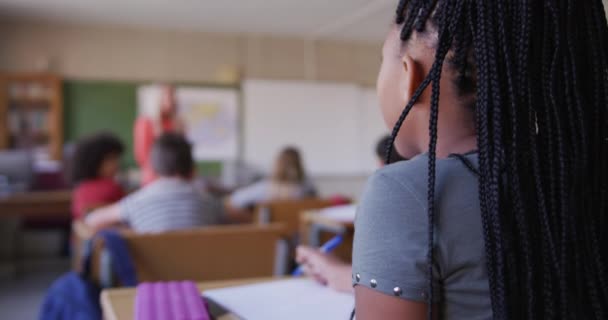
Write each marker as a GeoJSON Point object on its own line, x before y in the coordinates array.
{"type": "Point", "coordinates": [132, 54]}
{"type": "Point", "coordinates": [152, 55]}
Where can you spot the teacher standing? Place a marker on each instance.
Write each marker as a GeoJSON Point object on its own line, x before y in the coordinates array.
{"type": "Point", "coordinates": [148, 127]}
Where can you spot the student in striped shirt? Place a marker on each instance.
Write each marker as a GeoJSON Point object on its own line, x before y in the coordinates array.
{"type": "Point", "coordinates": [171, 202]}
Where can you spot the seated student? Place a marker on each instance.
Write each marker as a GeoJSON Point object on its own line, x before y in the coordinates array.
{"type": "Point", "coordinates": [169, 203]}
{"type": "Point", "coordinates": [288, 182]}
{"type": "Point", "coordinates": [325, 268]}
{"type": "Point", "coordinates": [95, 164]}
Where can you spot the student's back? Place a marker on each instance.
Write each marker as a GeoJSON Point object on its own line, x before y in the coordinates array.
{"type": "Point", "coordinates": [524, 83]}
{"type": "Point", "coordinates": [268, 190]}
{"type": "Point", "coordinates": [169, 204]}
{"type": "Point", "coordinates": [393, 208]}
{"type": "Point", "coordinates": [287, 182]}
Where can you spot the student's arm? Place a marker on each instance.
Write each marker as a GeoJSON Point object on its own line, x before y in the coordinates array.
{"type": "Point", "coordinates": [104, 217]}
{"type": "Point", "coordinates": [375, 305]}
{"type": "Point", "coordinates": [325, 268]}
{"type": "Point", "coordinates": [390, 270]}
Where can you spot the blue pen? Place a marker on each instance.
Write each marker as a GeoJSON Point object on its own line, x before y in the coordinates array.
{"type": "Point", "coordinates": [328, 247]}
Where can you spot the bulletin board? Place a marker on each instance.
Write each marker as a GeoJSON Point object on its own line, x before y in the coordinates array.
{"type": "Point", "coordinates": [210, 117]}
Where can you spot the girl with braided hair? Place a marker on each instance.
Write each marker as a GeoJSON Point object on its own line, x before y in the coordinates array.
{"type": "Point", "coordinates": [502, 212]}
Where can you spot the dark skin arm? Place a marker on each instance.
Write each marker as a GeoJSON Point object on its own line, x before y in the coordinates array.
{"type": "Point", "coordinates": [371, 304]}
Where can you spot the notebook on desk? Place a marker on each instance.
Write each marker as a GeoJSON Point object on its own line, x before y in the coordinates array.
{"type": "Point", "coordinates": [294, 299]}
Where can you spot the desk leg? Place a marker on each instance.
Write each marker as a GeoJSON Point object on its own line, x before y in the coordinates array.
{"type": "Point", "coordinates": [18, 249]}
{"type": "Point", "coordinates": [281, 260]}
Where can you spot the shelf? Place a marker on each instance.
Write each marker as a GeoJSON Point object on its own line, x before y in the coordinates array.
{"type": "Point", "coordinates": [36, 140]}
{"type": "Point", "coordinates": [30, 103]}
{"type": "Point", "coordinates": [36, 134]}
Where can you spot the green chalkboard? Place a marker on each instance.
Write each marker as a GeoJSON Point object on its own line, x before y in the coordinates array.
{"type": "Point", "coordinates": [93, 106]}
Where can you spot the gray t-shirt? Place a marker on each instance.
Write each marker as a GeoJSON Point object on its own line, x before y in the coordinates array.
{"type": "Point", "coordinates": [266, 190]}
{"type": "Point", "coordinates": [391, 237]}
{"type": "Point", "coordinates": [169, 204]}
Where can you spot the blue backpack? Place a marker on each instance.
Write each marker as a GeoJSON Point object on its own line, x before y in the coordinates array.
{"type": "Point", "coordinates": [74, 296]}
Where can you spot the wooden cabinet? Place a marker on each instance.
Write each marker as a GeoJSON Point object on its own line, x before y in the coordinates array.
{"type": "Point", "coordinates": [31, 113]}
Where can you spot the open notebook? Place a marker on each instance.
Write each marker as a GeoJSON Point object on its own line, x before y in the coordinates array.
{"type": "Point", "coordinates": [296, 299]}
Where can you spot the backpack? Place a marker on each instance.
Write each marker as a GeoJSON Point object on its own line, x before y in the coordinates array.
{"type": "Point", "coordinates": [74, 296]}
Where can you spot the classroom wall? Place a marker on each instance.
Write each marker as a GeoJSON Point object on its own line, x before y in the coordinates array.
{"type": "Point", "coordinates": [112, 53]}
{"type": "Point", "coordinates": [103, 62]}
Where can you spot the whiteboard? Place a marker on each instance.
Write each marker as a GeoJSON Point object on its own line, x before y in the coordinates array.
{"type": "Point", "coordinates": [335, 125]}
{"type": "Point", "coordinates": [211, 120]}
{"type": "Point", "coordinates": [210, 116]}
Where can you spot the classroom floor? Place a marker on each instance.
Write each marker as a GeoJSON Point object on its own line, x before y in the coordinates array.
{"type": "Point", "coordinates": [20, 297]}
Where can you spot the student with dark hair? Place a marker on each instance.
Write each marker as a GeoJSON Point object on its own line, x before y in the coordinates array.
{"type": "Point", "coordinates": [501, 212]}
{"type": "Point", "coordinates": [171, 202]}
{"type": "Point", "coordinates": [95, 165]}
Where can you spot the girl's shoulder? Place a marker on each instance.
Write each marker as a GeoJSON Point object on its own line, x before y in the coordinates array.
{"type": "Point", "coordinates": [418, 166]}
{"type": "Point", "coordinates": [407, 183]}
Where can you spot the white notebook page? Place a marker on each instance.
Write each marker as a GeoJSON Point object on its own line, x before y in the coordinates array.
{"type": "Point", "coordinates": [296, 299]}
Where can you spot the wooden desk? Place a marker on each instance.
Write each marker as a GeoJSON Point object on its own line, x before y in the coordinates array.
{"type": "Point", "coordinates": [316, 228]}
{"type": "Point", "coordinates": [312, 223]}
{"type": "Point", "coordinates": [40, 210]}
{"type": "Point", "coordinates": [52, 204]}
{"type": "Point", "coordinates": [119, 304]}
{"type": "Point", "coordinates": [81, 233]}
{"type": "Point", "coordinates": [288, 212]}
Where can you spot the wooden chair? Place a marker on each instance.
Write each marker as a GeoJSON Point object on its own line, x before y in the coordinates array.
{"type": "Point", "coordinates": [288, 212]}
{"type": "Point", "coordinates": [315, 230]}
{"type": "Point", "coordinates": [81, 233]}
{"type": "Point", "coordinates": [204, 254]}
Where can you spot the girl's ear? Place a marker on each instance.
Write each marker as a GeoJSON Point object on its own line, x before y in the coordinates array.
{"type": "Point", "coordinates": [414, 76]}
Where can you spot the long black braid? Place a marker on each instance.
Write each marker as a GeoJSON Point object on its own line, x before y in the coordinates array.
{"type": "Point", "coordinates": [538, 75]}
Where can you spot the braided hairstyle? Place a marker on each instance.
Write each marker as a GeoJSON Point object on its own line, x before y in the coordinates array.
{"type": "Point", "coordinates": [538, 72]}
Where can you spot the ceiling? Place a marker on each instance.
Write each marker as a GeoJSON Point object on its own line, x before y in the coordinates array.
{"type": "Point", "coordinates": [356, 20]}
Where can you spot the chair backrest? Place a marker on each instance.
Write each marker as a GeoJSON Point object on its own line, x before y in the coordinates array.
{"type": "Point", "coordinates": [288, 212]}
{"type": "Point", "coordinates": [205, 254]}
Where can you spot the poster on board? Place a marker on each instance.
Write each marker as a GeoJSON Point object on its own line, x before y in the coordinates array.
{"type": "Point", "coordinates": [210, 116]}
